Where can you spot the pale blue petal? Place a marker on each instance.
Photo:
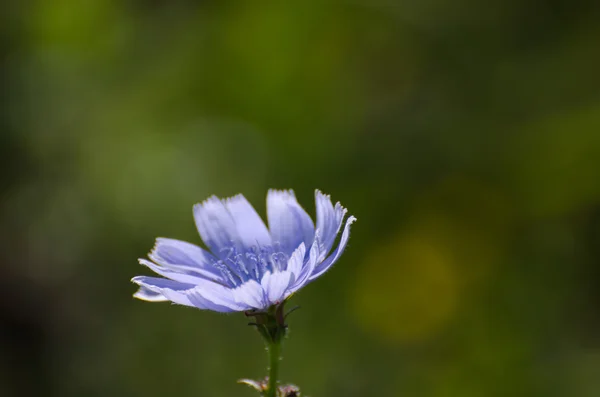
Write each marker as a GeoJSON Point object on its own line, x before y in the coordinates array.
{"type": "Point", "coordinates": [178, 274]}
{"type": "Point", "coordinates": [275, 285]}
{"type": "Point", "coordinates": [250, 227]}
{"type": "Point", "coordinates": [307, 268]}
{"type": "Point", "coordinates": [148, 295]}
{"type": "Point", "coordinates": [329, 221]}
{"type": "Point", "coordinates": [251, 295]}
{"type": "Point", "coordinates": [216, 226]}
{"type": "Point", "coordinates": [171, 290]}
{"type": "Point", "coordinates": [219, 295]}
{"type": "Point", "coordinates": [195, 297]}
{"type": "Point", "coordinates": [289, 224]}
{"type": "Point", "coordinates": [182, 257]}
{"type": "Point", "coordinates": [296, 261]}
{"type": "Point", "coordinates": [327, 263]}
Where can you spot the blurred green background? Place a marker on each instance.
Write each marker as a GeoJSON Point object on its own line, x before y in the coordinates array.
{"type": "Point", "coordinates": [464, 135]}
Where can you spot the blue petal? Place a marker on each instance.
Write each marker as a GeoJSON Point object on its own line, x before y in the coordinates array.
{"type": "Point", "coordinates": [329, 221]}
{"type": "Point", "coordinates": [180, 275]}
{"type": "Point", "coordinates": [180, 293]}
{"type": "Point", "coordinates": [148, 295]}
{"type": "Point", "coordinates": [195, 296]}
{"type": "Point", "coordinates": [296, 261]}
{"type": "Point", "coordinates": [327, 263]}
{"type": "Point", "coordinates": [289, 224]}
{"type": "Point", "coordinates": [181, 257]}
{"type": "Point", "coordinates": [218, 295]}
{"type": "Point", "coordinates": [169, 289]}
{"type": "Point", "coordinates": [275, 285]}
{"type": "Point", "coordinates": [216, 226]}
{"type": "Point", "coordinates": [250, 227]}
{"type": "Point", "coordinates": [251, 295]}
{"type": "Point", "coordinates": [307, 269]}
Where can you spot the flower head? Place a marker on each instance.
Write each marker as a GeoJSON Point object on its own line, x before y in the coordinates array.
{"type": "Point", "coordinates": [249, 267]}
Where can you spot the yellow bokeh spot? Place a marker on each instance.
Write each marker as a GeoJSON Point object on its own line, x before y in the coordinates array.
{"type": "Point", "coordinates": [407, 290]}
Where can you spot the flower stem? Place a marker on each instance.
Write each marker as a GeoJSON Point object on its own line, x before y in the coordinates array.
{"type": "Point", "coordinates": [274, 349]}
{"type": "Point", "coordinates": [271, 326]}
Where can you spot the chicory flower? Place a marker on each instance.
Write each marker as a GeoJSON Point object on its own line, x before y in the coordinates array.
{"type": "Point", "coordinates": [249, 267]}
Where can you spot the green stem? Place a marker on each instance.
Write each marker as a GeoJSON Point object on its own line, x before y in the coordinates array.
{"type": "Point", "coordinates": [274, 352]}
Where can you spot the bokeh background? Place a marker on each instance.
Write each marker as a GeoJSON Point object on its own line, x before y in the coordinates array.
{"type": "Point", "coordinates": [464, 135]}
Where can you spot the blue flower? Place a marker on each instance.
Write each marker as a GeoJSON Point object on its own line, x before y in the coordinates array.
{"type": "Point", "coordinates": [248, 266]}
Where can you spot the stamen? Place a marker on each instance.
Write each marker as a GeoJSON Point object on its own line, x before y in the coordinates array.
{"type": "Point", "coordinates": [263, 261]}
{"type": "Point", "coordinates": [251, 256]}
{"type": "Point", "coordinates": [226, 271]}
{"type": "Point", "coordinates": [233, 265]}
{"type": "Point", "coordinates": [238, 268]}
{"type": "Point", "coordinates": [279, 259]}
{"type": "Point", "coordinates": [239, 260]}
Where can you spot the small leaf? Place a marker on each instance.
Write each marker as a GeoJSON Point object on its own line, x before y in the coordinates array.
{"type": "Point", "coordinates": [255, 384]}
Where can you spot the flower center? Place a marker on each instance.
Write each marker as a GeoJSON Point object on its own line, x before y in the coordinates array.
{"type": "Point", "coordinates": [240, 266]}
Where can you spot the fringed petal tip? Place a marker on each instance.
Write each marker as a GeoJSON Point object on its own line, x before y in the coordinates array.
{"type": "Point", "coordinates": [210, 200]}
{"type": "Point", "coordinates": [282, 192]}
{"type": "Point", "coordinates": [337, 253]}
{"type": "Point", "coordinates": [323, 196]}
{"type": "Point", "coordinates": [216, 200]}
{"type": "Point", "coordinates": [157, 244]}
{"type": "Point", "coordinates": [340, 208]}
{"type": "Point", "coordinates": [236, 198]}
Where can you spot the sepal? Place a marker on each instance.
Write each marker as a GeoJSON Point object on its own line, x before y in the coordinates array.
{"type": "Point", "coordinates": [270, 323]}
